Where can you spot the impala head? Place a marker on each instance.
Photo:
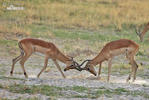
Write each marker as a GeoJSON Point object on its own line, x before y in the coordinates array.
{"type": "Point", "coordinates": [138, 32]}
{"type": "Point", "coordinates": [89, 67]}
{"type": "Point", "coordinates": [73, 65]}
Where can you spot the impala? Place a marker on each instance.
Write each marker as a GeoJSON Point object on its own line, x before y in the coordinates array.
{"type": "Point", "coordinates": [141, 34]}
{"type": "Point", "coordinates": [110, 50]}
{"type": "Point", "coordinates": [29, 45]}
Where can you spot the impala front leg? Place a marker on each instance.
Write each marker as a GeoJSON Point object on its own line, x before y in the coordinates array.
{"type": "Point", "coordinates": [99, 71]}
{"type": "Point", "coordinates": [57, 65]}
{"type": "Point", "coordinates": [45, 65]}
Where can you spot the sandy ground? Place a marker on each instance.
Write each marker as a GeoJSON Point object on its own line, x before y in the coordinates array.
{"type": "Point", "coordinates": [52, 77]}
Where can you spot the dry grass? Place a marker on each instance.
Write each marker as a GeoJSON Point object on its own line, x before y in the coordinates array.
{"type": "Point", "coordinates": [50, 19]}
{"type": "Point", "coordinates": [86, 14]}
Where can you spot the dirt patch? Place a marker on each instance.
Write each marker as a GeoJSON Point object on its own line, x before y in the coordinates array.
{"type": "Point", "coordinates": [8, 95]}
{"type": "Point", "coordinates": [52, 77]}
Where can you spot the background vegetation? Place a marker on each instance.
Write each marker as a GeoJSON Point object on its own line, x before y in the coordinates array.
{"type": "Point", "coordinates": [73, 24]}
{"type": "Point", "coordinates": [97, 21]}
{"type": "Point", "coordinates": [82, 14]}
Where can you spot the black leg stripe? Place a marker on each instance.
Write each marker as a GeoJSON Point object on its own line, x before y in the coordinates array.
{"type": "Point", "coordinates": [11, 72]}
{"type": "Point", "coordinates": [24, 73]}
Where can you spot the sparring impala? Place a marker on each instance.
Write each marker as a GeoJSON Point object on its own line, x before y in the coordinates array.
{"type": "Point", "coordinates": [110, 50]}
{"type": "Point", "coordinates": [29, 45]}
{"type": "Point", "coordinates": [141, 34]}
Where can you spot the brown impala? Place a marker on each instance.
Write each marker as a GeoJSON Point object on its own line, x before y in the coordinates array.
{"type": "Point", "coordinates": [29, 45]}
{"type": "Point", "coordinates": [141, 34]}
{"type": "Point", "coordinates": [111, 49]}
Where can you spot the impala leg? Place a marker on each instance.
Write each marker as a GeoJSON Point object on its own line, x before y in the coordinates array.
{"type": "Point", "coordinates": [45, 66]}
{"type": "Point", "coordinates": [129, 77]}
{"type": "Point", "coordinates": [132, 70]}
{"type": "Point", "coordinates": [23, 60]}
{"type": "Point", "coordinates": [130, 62]}
{"type": "Point", "coordinates": [14, 61]}
{"type": "Point", "coordinates": [57, 65]}
{"type": "Point", "coordinates": [135, 70]}
{"type": "Point", "coordinates": [99, 71]}
{"type": "Point", "coordinates": [109, 68]}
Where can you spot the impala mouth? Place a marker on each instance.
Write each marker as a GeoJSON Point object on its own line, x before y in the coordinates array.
{"type": "Point", "coordinates": [66, 69]}
{"type": "Point", "coordinates": [94, 74]}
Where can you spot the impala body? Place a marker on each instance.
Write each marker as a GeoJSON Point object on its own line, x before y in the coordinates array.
{"type": "Point", "coordinates": [110, 50]}
{"type": "Point", "coordinates": [49, 50]}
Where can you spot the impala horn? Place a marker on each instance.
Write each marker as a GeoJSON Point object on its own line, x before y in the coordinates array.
{"type": "Point", "coordinates": [83, 63]}
{"type": "Point", "coordinates": [74, 65]}
{"type": "Point", "coordinates": [77, 66]}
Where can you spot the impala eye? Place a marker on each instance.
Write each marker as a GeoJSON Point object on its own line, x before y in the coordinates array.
{"type": "Point", "coordinates": [71, 65]}
{"type": "Point", "coordinates": [88, 68]}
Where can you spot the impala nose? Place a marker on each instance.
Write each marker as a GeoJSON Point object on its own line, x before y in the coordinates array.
{"type": "Point", "coordinates": [65, 69]}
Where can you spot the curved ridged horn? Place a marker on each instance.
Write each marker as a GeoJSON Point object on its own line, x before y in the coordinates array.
{"type": "Point", "coordinates": [77, 66]}
{"type": "Point", "coordinates": [84, 62]}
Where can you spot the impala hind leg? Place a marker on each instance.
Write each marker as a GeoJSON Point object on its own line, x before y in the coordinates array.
{"type": "Point", "coordinates": [23, 60]}
{"type": "Point", "coordinates": [45, 66]}
{"type": "Point", "coordinates": [57, 65]}
{"type": "Point", "coordinates": [129, 57]}
{"type": "Point", "coordinates": [135, 70]}
{"type": "Point", "coordinates": [14, 61]}
{"type": "Point", "coordinates": [134, 67]}
{"type": "Point", "coordinates": [129, 76]}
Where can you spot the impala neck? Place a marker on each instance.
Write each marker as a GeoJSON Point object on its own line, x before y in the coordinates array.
{"type": "Point", "coordinates": [61, 57]}
{"type": "Point", "coordinates": [98, 59]}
